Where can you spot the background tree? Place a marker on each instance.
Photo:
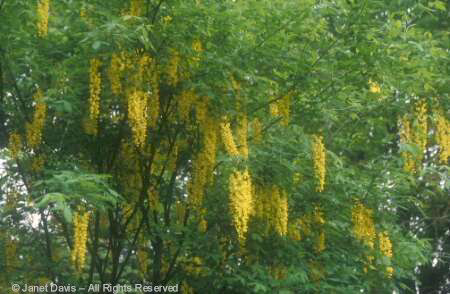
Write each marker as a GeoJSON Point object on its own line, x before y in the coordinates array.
{"type": "Point", "coordinates": [226, 146]}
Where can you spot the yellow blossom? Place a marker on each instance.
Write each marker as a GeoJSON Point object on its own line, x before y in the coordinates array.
{"type": "Point", "coordinates": [78, 254]}
{"type": "Point", "coordinates": [34, 129]}
{"type": "Point", "coordinates": [185, 101]}
{"type": "Point", "coordinates": [374, 87]}
{"type": "Point", "coordinates": [142, 257]}
{"type": "Point", "coordinates": [94, 94]}
{"type": "Point", "coordinates": [319, 162]}
{"type": "Point", "coordinates": [241, 203]}
{"type": "Point", "coordinates": [114, 73]}
{"type": "Point", "coordinates": [443, 137]}
{"type": "Point", "coordinates": [406, 138]}
{"type": "Point", "coordinates": [42, 12]}
{"type": "Point", "coordinates": [15, 144]}
{"type": "Point", "coordinates": [363, 225]}
{"type": "Point", "coordinates": [227, 138]}
{"type": "Point", "coordinates": [37, 163]}
{"type": "Point", "coordinates": [137, 114]}
{"type": "Point", "coordinates": [420, 134]}
{"type": "Point", "coordinates": [385, 244]}
{"type": "Point", "coordinates": [241, 135]}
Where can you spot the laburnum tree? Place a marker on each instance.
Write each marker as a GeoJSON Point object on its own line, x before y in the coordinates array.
{"type": "Point", "coordinates": [272, 146]}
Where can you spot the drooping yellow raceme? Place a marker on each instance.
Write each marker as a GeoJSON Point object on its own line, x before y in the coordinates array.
{"type": "Point", "coordinates": [210, 130]}
{"type": "Point", "coordinates": [319, 162]}
{"type": "Point", "coordinates": [319, 220]}
{"type": "Point", "coordinates": [386, 250]}
{"type": "Point", "coordinates": [34, 129]}
{"type": "Point", "coordinates": [42, 12]}
{"type": "Point", "coordinates": [37, 163]}
{"type": "Point", "coordinates": [201, 111]}
{"type": "Point", "coordinates": [78, 254]}
{"type": "Point", "coordinates": [284, 108]}
{"type": "Point", "coordinates": [114, 72]}
{"type": "Point", "coordinates": [185, 102]}
{"type": "Point", "coordinates": [363, 225]}
{"type": "Point", "coordinates": [385, 244]}
{"type": "Point", "coordinates": [271, 205]}
{"type": "Point", "coordinates": [420, 132]}
{"type": "Point", "coordinates": [137, 115]}
{"type": "Point", "coordinates": [374, 87]}
{"type": "Point", "coordinates": [241, 135]}
{"type": "Point", "coordinates": [281, 108]}
{"type": "Point", "coordinates": [198, 48]}
{"type": "Point", "coordinates": [204, 162]}
{"type": "Point", "coordinates": [14, 144]}
{"type": "Point", "coordinates": [443, 137]}
{"type": "Point", "coordinates": [95, 82]}
{"type": "Point", "coordinates": [406, 138]}
{"type": "Point", "coordinates": [142, 259]}
{"type": "Point", "coordinates": [241, 203]}
{"type": "Point", "coordinates": [227, 138]}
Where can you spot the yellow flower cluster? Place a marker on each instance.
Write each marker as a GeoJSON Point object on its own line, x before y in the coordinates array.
{"type": "Point", "coordinates": [319, 220]}
{"type": "Point", "coordinates": [241, 135]}
{"type": "Point", "coordinates": [185, 101]}
{"type": "Point", "coordinates": [386, 250]}
{"type": "Point", "coordinates": [114, 72]}
{"type": "Point", "coordinates": [201, 111]}
{"type": "Point", "coordinates": [241, 203]}
{"type": "Point", "coordinates": [374, 87]}
{"type": "Point", "coordinates": [204, 163]}
{"type": "Point", "coordinates": [363, 225]}
{"type": "Point", "coordinates": [34, 129]}
{"type": "Point", "coordinates": [271, 205]}
{"type": "Point", "coordinates": [406, 138]}
{"type": "Point", "coordinates": [172, 68]}
{"type": "Point", "coordinates": [443, 137]}
{"type": "Point", "coordinates": [137, 115]}
{"type": "Point", "coordinates": [294, 230]}
{"type": "Point", "coordinates": [95, 82]}
{"type": "Point", "coordinates": [142, 259]}
{"type": "Point", "coordinates": [273, 109]}
{"type": "Point", "coordinates": [385, 244]}
{"type": "Point", "coordinates": [198, 48]}
{"type": "Point", "coordinates": [15, 144]}
{"type": "Point", "coordinates": [282, 108]}
{"type": "Point", "coordinates": [78, 254]}
{"type": "Point", "coordinates": [42, 12]}
{"type": "Point", "coordinates": [227, 137]}
{"type": "Point", "coordinates": [37, 163]}
{"type": "Point", "coordinates": [319, 162]}
{"type": "Point", "coordinates": [420, 135]}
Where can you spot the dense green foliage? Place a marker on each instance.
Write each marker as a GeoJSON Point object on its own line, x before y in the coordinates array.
{"type": "Point", "coordinates": [157, 174]}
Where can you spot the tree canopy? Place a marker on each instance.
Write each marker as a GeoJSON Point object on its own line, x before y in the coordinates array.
{"type": "Point", "coordinates": [295, 146]}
